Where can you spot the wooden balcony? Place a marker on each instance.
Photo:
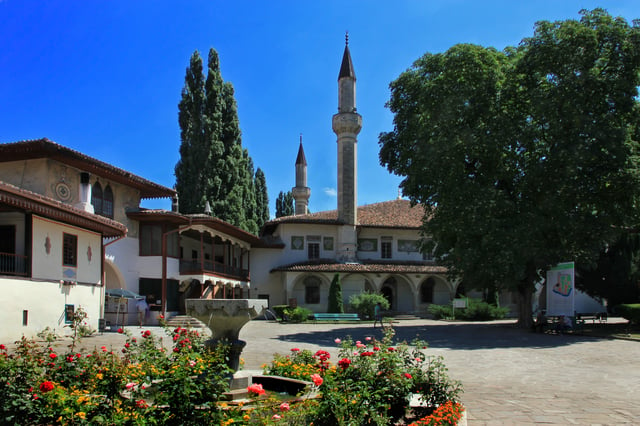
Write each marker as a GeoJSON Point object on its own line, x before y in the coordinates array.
{"type": "Point", "coordinates": [209, 267]}
{"type": "Point", "coordinates": [13, 264]}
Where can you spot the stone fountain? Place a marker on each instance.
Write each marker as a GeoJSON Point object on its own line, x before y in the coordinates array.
{"type": "Point", "coordinates": [225, 318]}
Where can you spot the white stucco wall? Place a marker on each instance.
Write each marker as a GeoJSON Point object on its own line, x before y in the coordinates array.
{"type": "Point", "coordinates": [44, 302]}
{"type": "Point", "coordinates": [49, 265]}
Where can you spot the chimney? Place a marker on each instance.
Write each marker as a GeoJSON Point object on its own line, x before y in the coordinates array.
{"type": "Point", "coordinates": [84, 194]}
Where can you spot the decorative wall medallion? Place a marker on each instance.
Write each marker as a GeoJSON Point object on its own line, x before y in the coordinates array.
{"type": "Point", "coordinates": [47, 245]}
{"type": "Point", "coordinates": [368, 244]}
{"type": "Point", "coordinates": [63, 192]}
{"type": "Point", "coordinates": [409, 246]}
{"type": "Point", "coordinates": [297, 243]}
{"type": "Point", "coordinates": [327, 243]}
{"type": "Point", "coordinates": [89, 253]}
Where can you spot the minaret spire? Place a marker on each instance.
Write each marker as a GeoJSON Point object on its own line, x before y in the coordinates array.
{"type": "Point", "coordinates": [346, 125]}
{"type": "Point", "coordinates": [301, 192]}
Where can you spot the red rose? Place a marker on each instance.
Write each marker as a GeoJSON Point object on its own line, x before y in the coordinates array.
{"type": "Point", "coordinates": [53, 356]}
{"type": "Point", "coordinates": [344, 363]}
{"type": "Point", "coordinates": [407, 375]}
{"type": "Point", "coordinates": [46, 386]}
{"type": "Point", "coordinates": [316, 379]}
{"type": "Point", "coordinates": [120, 330]}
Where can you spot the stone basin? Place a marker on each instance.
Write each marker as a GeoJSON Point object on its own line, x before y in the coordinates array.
{"type": "Point", "coordinates": [225, 318]}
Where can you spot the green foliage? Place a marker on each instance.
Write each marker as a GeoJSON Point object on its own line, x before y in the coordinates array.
{"type": "Point", "coordinates": [262, 198]}
{"type": "Point", "coordinates": [285, 204]}
{"type": "Point", "coordinates": [335, 296]}
{"type": "Point", "coordinates": [513, 176]}
{"type": "Point", "coordinates": [440, 311]}
{"type": "Point", "coordinates": [615, 274]}
{"type": "Point", "coordinates": [280, 310]}
{"type": "Point", "coordinates": [364, 303]}
{"type": "Point", "coordinates": [141, 383]}
{"type": "Point", "coordinates": [213, 166]}
{"type": "Point", "coordinates": [629, 311]}
{"type": "Point", "coordinates": [297, 314]}
{"type": "Point", "coordinates": [476, 310]}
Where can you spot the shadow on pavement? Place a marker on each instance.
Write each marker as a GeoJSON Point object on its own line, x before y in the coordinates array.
{"type": "Point", "coordinates": [445, 335]}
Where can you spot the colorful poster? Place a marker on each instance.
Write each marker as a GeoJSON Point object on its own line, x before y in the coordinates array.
{"type": "Point", "coordinates": [561, 289]}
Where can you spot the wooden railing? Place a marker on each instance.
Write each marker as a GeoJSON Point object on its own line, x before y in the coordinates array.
{"type": "Point", "coordinates": [13, 264]}
{"type": "Point", "coordinates": [198, 266]}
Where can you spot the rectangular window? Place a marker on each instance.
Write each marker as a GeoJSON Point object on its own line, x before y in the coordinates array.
{"type": "Point", "coordinates": [69, 250]}
{"type": "Point", "coordinates": [385, 247]}
{"type": "Point", "coordinates": [150, 240]}
{"type": "Point", "coordinates": [313, 247]}
{"type": "Point", "coordinates": [312, 294]}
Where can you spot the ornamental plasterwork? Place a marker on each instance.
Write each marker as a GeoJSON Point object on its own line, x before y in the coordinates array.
{"type": "Point", "coordinates": [297, 242]}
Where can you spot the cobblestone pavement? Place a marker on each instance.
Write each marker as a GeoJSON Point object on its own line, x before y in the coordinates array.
{"type": "Point", "coordinates": [510, 376]}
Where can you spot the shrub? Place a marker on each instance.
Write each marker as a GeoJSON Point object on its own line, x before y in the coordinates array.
{"type": "Point", "coordinates": [297, 314]}
{"type": "Point", "coordinates": [364, 303]}
{"type": "Point", "coordinates": [440, 311]}
{"type": "Point", "coordinates": [279, 310]}
{"type": "Point", "coordinates": [335, 296]}
{"type": "Point", "coordinates": [476, 310]}
{"type": "Point", "coordinates": [629, 311]}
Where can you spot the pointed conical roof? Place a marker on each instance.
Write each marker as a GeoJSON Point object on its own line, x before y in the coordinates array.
{"type": "Point", "coordinates": [346, 69]}
{"type": "Point", "coordinates": [301, 159]}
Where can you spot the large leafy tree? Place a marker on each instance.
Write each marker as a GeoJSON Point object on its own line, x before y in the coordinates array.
{"type": "Point", "coordinates": [213, 165]}
{"type": "Point", "coordinates": [285, 204]}
{"type": "Point", "coordinates": [522, 158]}
{"type": "Point", "coordinates": [615, 275]}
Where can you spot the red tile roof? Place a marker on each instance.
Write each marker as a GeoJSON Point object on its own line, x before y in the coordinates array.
{"type": "Point", "coordinates": [47, 207]}
{"type": "Point", "coordinates": [397, 213]}
{"type": "Point", "coordinates": [371, 266]}
{"type": "Point", "coordinates": [44, 148]}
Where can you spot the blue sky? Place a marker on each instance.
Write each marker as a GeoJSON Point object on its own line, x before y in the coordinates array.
{"type": "Point", "coordinates": [104, 77]}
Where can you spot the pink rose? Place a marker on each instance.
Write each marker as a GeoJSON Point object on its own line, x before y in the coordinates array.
{"type": "Point", "coordinates": [338, 341]}
{"type": "Point", "coordinates": [284, 407]}
{"type": "Point", "coordinates": [316, 379]}
{"type": "Point", "coordinates": [256, 388]}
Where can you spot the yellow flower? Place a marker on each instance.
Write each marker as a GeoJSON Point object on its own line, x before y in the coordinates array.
{"type": "Point", "coordinates": [81, 414]}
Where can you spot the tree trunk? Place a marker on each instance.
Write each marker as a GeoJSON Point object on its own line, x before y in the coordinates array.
{"type": "Point", "coordinates": [525, 295]}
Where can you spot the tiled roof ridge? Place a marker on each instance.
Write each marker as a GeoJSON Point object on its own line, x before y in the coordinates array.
{"type": "Point", "coordinates": [59, 205]}
{"type": "Point", "coordinates": [49, 146]}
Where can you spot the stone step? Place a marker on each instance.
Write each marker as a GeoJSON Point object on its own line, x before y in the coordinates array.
{"type": "Point", "coordinates": [185, 321]}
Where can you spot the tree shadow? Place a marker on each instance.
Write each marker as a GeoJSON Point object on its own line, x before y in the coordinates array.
{"type": "Point", "coordinates": [443, 335]}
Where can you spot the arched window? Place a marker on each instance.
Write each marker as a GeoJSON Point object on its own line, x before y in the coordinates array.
{"type": "Point", "coordinates": [96, 198]}
{"type": "Point", "coordinates": [107, 202]}
{"type": "Point", "coordinates": [102, 200]}
{"type": "Point", "coordinates": [426, 290]}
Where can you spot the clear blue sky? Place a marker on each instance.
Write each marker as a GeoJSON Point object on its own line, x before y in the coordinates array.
{"type": "Point", "coordinates": [104, 77]}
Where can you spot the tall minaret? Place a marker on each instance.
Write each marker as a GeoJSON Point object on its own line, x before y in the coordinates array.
{"type": "Point", "coordinates": [301, 192]}
{"type": "Point", "coordinates": [346, 125]}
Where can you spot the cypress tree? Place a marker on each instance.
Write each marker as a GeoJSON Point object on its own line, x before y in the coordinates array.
{"type": "Point", "coordinates": [284, 204]}
{"type": "Point", "coordinates": [335, 296]}
{"type": "Point", "coordinates": [262, 198]}
{"type": "Point", "coordinates": [213, 165]}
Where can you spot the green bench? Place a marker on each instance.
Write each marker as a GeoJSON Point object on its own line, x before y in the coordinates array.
{"type": "Point", "coordinates": [336, 317]}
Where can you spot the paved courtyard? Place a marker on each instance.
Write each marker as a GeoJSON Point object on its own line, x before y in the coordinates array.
{"type": "Point", "coordinates": [510, 376]}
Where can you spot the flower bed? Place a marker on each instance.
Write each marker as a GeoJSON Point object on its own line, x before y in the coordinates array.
{"type": "Point", "coordinates": [144, 383]}
{"type": "Point", "coordinates": [372, 381]}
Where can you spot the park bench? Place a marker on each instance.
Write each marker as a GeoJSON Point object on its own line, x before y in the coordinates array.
{"type": "Point", "coordinates": [336, 317]}
{"type": "Point", "coordinates": [597, 316]}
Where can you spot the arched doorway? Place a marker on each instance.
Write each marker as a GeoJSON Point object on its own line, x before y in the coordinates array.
{"type": "Point", "coordinates": [387, 292]}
